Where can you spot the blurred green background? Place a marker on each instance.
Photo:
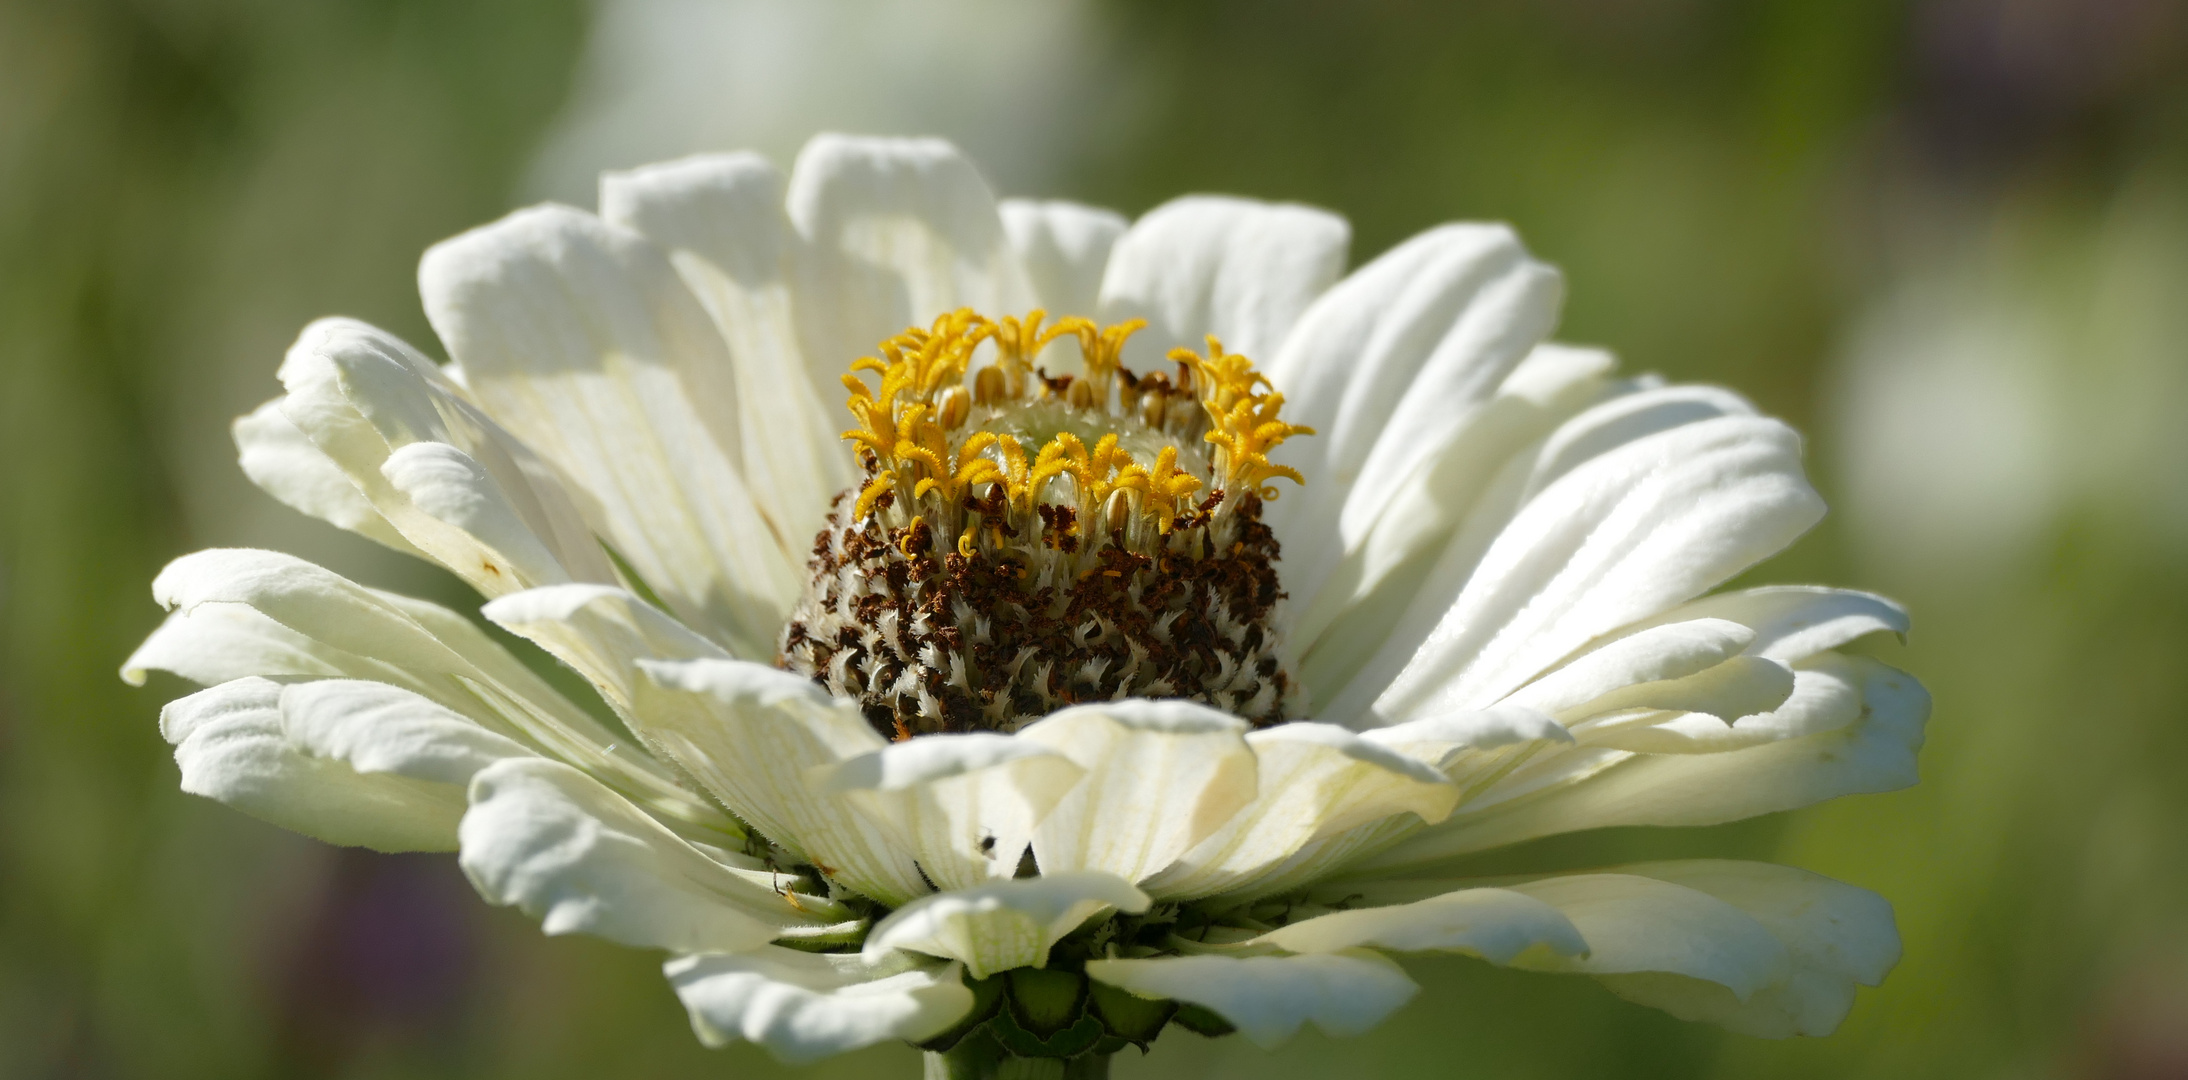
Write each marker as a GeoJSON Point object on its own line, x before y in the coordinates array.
{"type": "Point", "coordinates": [1948, 238]}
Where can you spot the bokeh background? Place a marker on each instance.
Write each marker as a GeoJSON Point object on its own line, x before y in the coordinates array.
{"type": "Point", "coordinates": [1948, 238]}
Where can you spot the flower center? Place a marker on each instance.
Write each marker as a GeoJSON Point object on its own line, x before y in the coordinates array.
{"type": "Point", "coordinates": [1024, 541]}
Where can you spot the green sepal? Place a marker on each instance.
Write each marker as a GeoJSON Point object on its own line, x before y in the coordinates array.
{"type": "Point", "coordinates": [1070, 1042]}
{"type": "Point", "coordinates": [1128, 1016]}
{"type": "Point", "coordinates": [987, 997]}
{"type": "Point", "coordinates": [1202, 1021]}
{"type": "Point", "coordinates": [1110, 1044]}
{"type": "Point", "coordinates": [1045, 1000]}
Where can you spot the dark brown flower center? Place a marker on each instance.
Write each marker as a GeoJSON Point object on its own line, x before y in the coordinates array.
{"type": "Point", "coordinates": [967, 585]}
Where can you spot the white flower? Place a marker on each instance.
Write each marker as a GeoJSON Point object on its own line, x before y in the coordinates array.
{"type": "Point", "coordinates": [1044, 714]}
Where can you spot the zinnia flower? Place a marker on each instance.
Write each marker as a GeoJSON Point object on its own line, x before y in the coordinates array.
{"type": "Point", "coordinates": [1170, 626]}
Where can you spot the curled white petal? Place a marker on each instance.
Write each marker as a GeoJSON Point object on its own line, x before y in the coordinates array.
{"type": "Point", "coordinates": [1598, 788]}
{"type": "Point", "coordinates": [803, 1006]}
{"type": "Point", "coordinates": [754, 736]}
{"type": "Point", "coordinates": [1315, 780]}
{"type": "Point", "coordinates": [1003, 924]}
{"type": "Point", "coordinates": [239, 612]}
{"type": "Point", "coordinates": [1161, 776]}
{"type": "Point", "coordinates": [1268, 998]}
{"type": "Point", "coordinates": [547, 838]}
{"type": "Point", "coordinates": [1494, 924]}
{"type": "Point", "coordinates": [1837, 936]}
{"type": "Point", "coordinates": [349, 762]}
{"type": "Point", "coordinates": [282, 461]}
{"type": "Point", "coordinates": [964, 805]}
{"type": "Point", "coordinates": [581, 338]}
{"type": "Point", "coordinates": [1636, 924]}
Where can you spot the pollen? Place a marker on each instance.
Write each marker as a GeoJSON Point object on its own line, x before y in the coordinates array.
{"type": "Point", "coordinates": [1021, 541]}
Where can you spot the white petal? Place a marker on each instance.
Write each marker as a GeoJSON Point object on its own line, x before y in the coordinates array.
{"type": "Point", "coordinates": [315, 602]}
{"type": "Point", "coordinates": [1236, 268]}
{"type": "Point", "coordinates": [754, 736]}
{"type": "Point", "coordinates": [804, 1007]}
{"type": "Point", "coordinates": [353, 763]}
{"type": "Point", "coordinates": [1161, 776]}
{"type": "Point", "coordinates": [363, 397]}
{"type": "Point", "coordinates": [248, 613]}
{"type": "Point", "coordinates": [281, 460]}
{"type": "Point", "coordinates": [1648, 410]}
{"type": "Point", "coordinates": [601, 632]}
{"type": "Point", "coordinates": [451, 487]}
{"type": "Point", "coordinates": [214, 643]}
{"type": "Point", "coordinates": [1669, 652]}
{"type": "Point", "coordinates": [1316, 780]}
{"type": "Point", "coordinates": [581, 338]}
{"type": "Point", "coordinates": [1437, 740]}
{"type": "Point", "coordinates": [1837, 935]}
{"type": "Point", "coordinates": [1469, 749]}
{"type": "Point", "coordinates": [1827, 691]}
{"type": "Point", "coordinates": [1618, 539]}
{"type": "Point", "coordinates": [900, 231]}
{"type": "Point", "coordinates": [1392, 363]}
{"type": "Point", "coordinates": [378, 728]}
{"type": "Point", "coordinates": [1003, 924]}
{"type": "Point", "coordinates": [1876, 753]}
{"type": "Point", "coordinates": [1494, 924]}
{"type": "Point", "coordinates": [1741, 686]}
{"type": "Point", "coordinates": [1794, 622]}
{"type": "Point", "coordinates": [720, 217]}
{"type": "Point", "coordinates": [1065, 248]}
{"type": "Point", "coordinates": [963, 805]}
{"type": "Point", "coordinates": [1269, 997]}
{"type": "Point", "coordinates": [549, 839]}
{"type": "Point", "coordinates": [1350, 589]}
{"type": "Point", "coordinates": [1636, 924]}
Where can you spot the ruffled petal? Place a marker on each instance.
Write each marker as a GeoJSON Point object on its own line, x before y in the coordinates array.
{"type": "Point", "coordinates": [602, 632]}
{"type": "Point", "coordinates": [1206, 264]}
{"type": "Point", "coordinates": [756, 737]}
{"type": "Point", "coordinates": [1392, 363]}
{"type": "Point", "coordinates": [1003, 924]}
{"type": "Point", "coordinates": [1642, 924]}
{"type": "Point", "coordinates": [580, 337]}
{"type": "Point", "coordinates": [1161, 776]}
{"type": "Point", "coordinates": [348, 762]}
{"type": "Point", "coordinates": [1471, 750]}
{"type": "Point", "coordinates": [899, 231]}
{"type": "Point", "coordinates": [1793, 622]}
{"type": "Point", "coordinates": [438, 470]}
{"type": "Point", "coordinates": [1316, 780]}
{"type": "Point", "coordinates": [240, 613]}
{"type": "Point", "coordinates": [720, 217]}
{"type": "Point", "coordinates": [282, 461]}
{"type": "Point", "coordinates": [1593, 788]}
{"type": "Point", "coordinates": [805, 1006]}
{"type": "Point", "coordinates": [963, 805]}
{"type": "Point", "coordinates": [1837, 935]}
{"type": "Point", "coordinates": [1827, 696]}
{"type": "Point", "coordinates": [1065, 248]}
{"type": "Point", "coordinates": [1659, 654]}
{"type": "Point", "coordinates": [1494, 924]}
{"type": "Point", "coordinates": [551, 840]}
{"type": "Point", "coordinates": [1351, 589]}
{"type": "Point", "coordinates": [1269, 997]}
{"type": "Point", "coordinates": [1619, 538]}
